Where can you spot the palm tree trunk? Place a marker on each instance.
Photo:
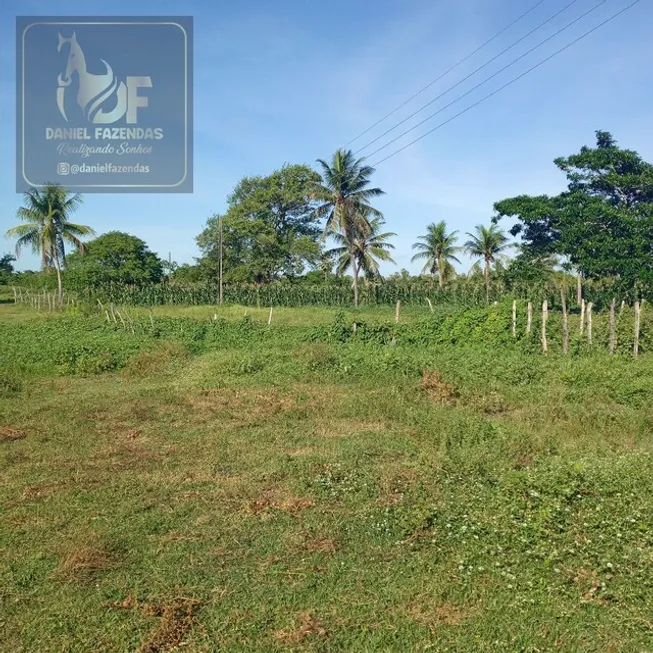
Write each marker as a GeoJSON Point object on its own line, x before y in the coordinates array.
{"type": "Point", "coordinates": [579, 289]}
{"type": "Point", "coordinates": [487, 281]}
{"type": "Point", "coordinates": [440, 272]}
{"type": "Point", "coordinates": [57, 267]}
{"type": "Point", "coordinates": [354, 266]}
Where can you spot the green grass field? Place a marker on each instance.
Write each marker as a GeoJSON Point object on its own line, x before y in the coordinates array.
{"type": "Point", "coordinates": [255, 489]}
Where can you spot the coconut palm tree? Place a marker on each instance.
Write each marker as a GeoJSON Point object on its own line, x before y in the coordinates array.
{"type": "Point", "coordinates": [344, 193]}
{"type": "Point", "coordinates": [487, 244]}
{"type": "Point", "coordinates": [437, 250]}
{"type": "Point", "coordinates": [47, 228]}
{"type": "Point", "coordinates": [361, 248]}
{"type": "Point", "coordinates": [344, 197]}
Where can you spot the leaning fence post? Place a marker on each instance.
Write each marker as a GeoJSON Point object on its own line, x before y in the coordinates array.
{"type": "Point", "coordinates": [565, 325]}
{"type": "Point", "coordinates": [613, 334]}
{"type": "Point", "coordinates": [545, 314]}
{"type": "Point", "coordinates": [270, 317]}
{"type": "Point", "coordinates": [590, 305]}
{"type": "Point", "coordinates": [638, 310]}
{"type": "Point", "coordinates": [529, 319]}
{"type": "Point", "coordinates": [514, 318]}
{"type": "Point", "coordinates": [582, 316]}
{"type": "Point", "coordinates": [430, 304]}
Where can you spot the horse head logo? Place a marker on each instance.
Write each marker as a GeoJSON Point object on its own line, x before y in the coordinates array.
{"type": "Point", "coordinates": [94, 91]}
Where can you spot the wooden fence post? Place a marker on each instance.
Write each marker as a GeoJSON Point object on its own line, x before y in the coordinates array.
{"type": "Point", "coordinates": [514, 318]}
{"type": "Point", "coordinates": [590, 305]}
{"type": "Point", "coordinates": [529, 322]}
{"type": "Point", "coordinates": [545, 314]}
{"type": "Point", "coordinates": [582, 316]}
{"type": "Point", "coordinates": [637, 323]}
{"type": "Point", "coordinates": [270, 317]}
{"type": "Point", "coordinates": [430, 304]}
{"type": "Point", "coordinates": [613, 335]}
{"type": "Point", "coordinates": [565, 325]}
{"type": "Point", "coordinates": [397, 309]}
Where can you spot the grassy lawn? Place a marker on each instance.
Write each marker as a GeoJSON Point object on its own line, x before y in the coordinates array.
{"type": "Point", "coordinates": [273, 493]}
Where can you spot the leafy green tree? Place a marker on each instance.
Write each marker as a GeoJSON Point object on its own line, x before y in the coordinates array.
{"type": "Point", "coordinates": [438, 249]}
{"type": "Point", "coordinates": [114, 257]}
{"type": "Point", "coordinates": [361, 248]}
{"type": "Point", "coordinates": [47, 227]}
{"type": "Point", "coordinates": [487, 244]}
{"type": "Point", "coordinates": [602, 223]}
{"type": "Point", "coordinates": [269, 230]}
{"type": "Point", "coordinates": [6, 267]}
{"type": "Point", "coordinates": [186, 273]}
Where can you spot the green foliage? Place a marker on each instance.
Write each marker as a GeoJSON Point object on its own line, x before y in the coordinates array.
{"type": "Point", "coordinates": [269, 229]}
{"type": "Point", "coordinates": [114, 257]}
{"type": "Point", "coordinates": [603, 222]}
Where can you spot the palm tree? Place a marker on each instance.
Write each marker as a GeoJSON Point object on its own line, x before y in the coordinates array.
{"type": "Point", "coordinates": [344, 199]}
{"type": "Point", "coordinates": [344, 191]}
{"type": "Point", "coordinates": [361, 248]}
{"type": "Point", "coordinates": [487, 244]}
{"type": "Point", "coordinates": [437, 250]}
{"type": "Point", "coordinates": [47, 227]}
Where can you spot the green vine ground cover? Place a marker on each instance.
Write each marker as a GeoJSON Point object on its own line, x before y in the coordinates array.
{"type": "Point", "coordinates": [222, 485]}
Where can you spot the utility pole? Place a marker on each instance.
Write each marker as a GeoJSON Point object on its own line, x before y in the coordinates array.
{"type": "Point", "coordinates": [220, 248]}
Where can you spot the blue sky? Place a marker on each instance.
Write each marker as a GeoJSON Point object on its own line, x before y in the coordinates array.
{"type": "Point", "coordinates": [290, 81]}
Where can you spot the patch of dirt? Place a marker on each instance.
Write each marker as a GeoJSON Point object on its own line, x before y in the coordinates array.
{"type": "Point", "coordinates": [9, 435]}
{"type": "Point", "coordinates": [437, 389]}
{"type": "Point", "coordinates": [176, 620]}
{"type": "Point", "coordinates": [308, 627]}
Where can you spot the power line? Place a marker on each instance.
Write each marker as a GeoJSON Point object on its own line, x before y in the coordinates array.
{"type": "Point", "coordinates": [446, 72]}
{"type": "Point", "coordinates": [487, 79]}
{"type": "Point", "coordinates": [487, 63]}
{"type": "Point", "coordinates": [512, 81]}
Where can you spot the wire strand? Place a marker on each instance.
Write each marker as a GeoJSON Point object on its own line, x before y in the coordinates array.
{"type": "Point", "coordinates": [446, 72]}
{"type": "Point", "coordinates": [487, 63]}
{"type": "Point", "coordinates": [512, 81]}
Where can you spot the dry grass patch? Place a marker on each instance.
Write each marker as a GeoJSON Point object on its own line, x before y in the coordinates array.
{"type": "Point", "coordinates": [305, 627]}
{"type": "Point", "coordinates": [176, 620]}
{"type": "Point", "coordinates": [243, 406]}
{"type": "Point", "coordinates": [437, 389]}
{"type": "Point", "coordinates": [85, 560]}
{"type": "Point", "coordinates": [156, 360]}
{"type": "Point", "coordinates": [9, 435]}
{"type": "Point", "coordinates": [273, 500]}
{"type": "Point", "coordinates": [445, 614]}
{"type": "Point", "coordinates": [341, 428]}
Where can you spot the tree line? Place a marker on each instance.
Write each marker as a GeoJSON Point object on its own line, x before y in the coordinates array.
{"type": "Point", "coordinates": [300, 225]}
